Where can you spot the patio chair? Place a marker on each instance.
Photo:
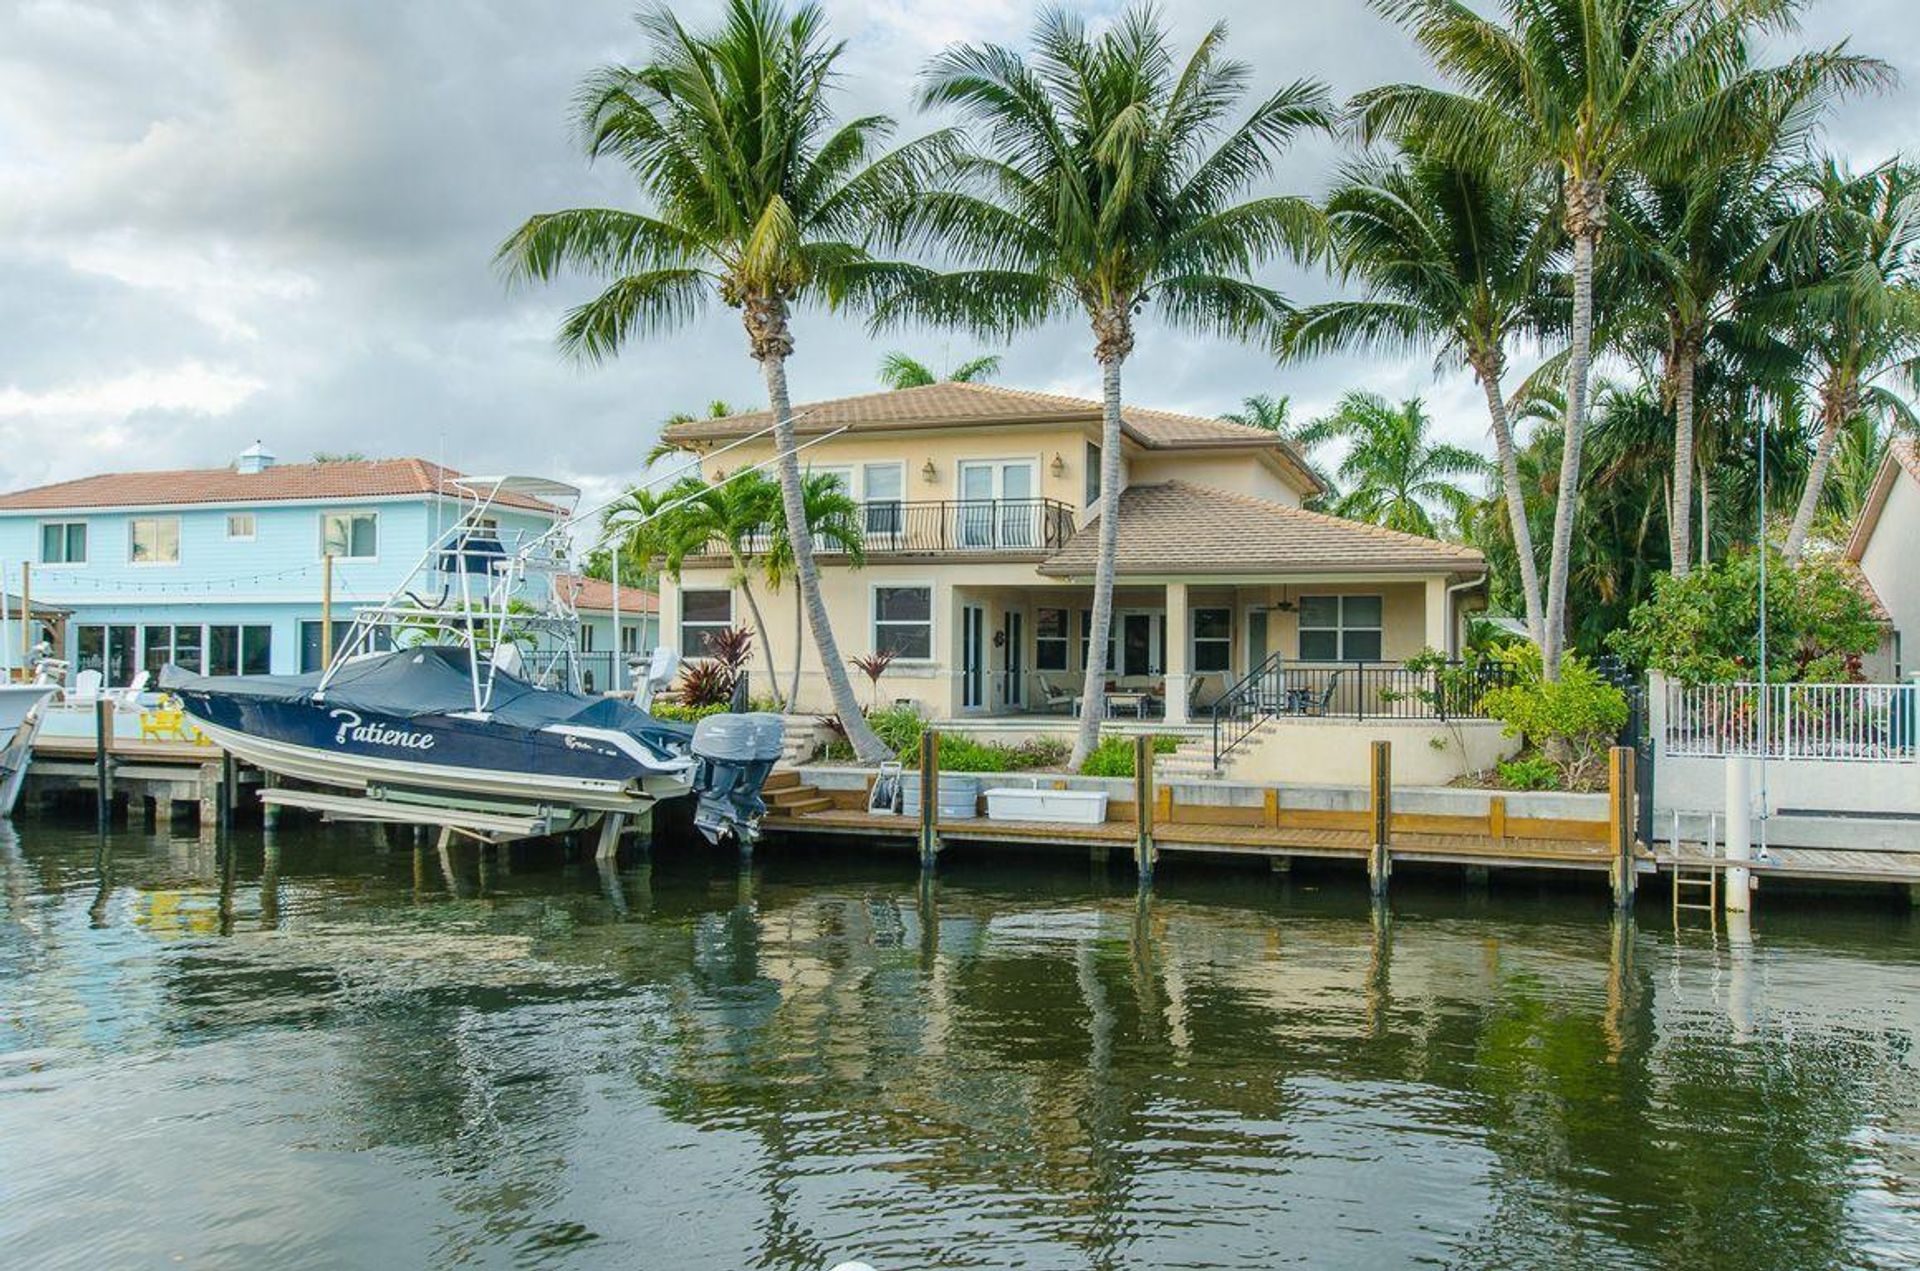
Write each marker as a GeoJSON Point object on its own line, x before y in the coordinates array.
{"type": "Point", "coordinates": [86, 688]}
{"type": "Point", "coordinates": [1054, 695]}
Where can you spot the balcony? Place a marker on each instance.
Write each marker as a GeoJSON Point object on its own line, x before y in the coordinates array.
{"type": "Point", "coordinates": [1006, 527]}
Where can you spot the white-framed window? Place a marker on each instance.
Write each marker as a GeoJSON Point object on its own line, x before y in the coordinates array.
{"type": "Point", "coordinates": [629, 637]}
{"type": "Point", "coordinates": [350, 535]}
{"type": "Point", "coordinates": [1212, 639]}
{"type": "Point", "coordinates": [239, 650]}
{"type": "Point", "coordinates": [882, 487]}
{"type": "Point", "coordinates": [1340, 628]}
{"type": "Point", "coordinates": [153, 540]}
{"type": "Point", "coordinates": [903, 621]}
{"type": "Point", "coordinates": [586, 638]}
{"type": "Point", "coordinates": [997, 504]}
{"type": "Point", "coordinates": [1050, 637]}
{"type": "Point", "coordinates": [63, 543]}
{"type": "Point", "coordinates": [1086, 636]}
{"type": "Point", "coordinates": [703, 613]}
{"type": "Point", "coordinates": [1092, 476]}
{"type": "Point", "coordinates": [240, 527]}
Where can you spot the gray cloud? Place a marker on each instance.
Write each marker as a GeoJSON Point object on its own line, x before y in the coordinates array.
{"type": "Point", "coordinates": [229, 219]}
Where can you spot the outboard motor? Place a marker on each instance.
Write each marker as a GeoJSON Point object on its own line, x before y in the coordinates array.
{"type": "Point", "coordinates": [735, 754]}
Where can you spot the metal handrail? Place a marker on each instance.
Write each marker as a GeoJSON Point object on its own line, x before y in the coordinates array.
{"type": "Point", "coordinates": [940, 525]}
{"type": "Point", "coordinates": [1244, 707]}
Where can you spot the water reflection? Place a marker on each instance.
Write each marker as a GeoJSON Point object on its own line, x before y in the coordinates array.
{"type": "Point", "coordinates": [314, 1050]}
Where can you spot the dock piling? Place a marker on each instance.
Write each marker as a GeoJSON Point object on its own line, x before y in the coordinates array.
{"type": "Point", "coordinates": [1143, 807]}
{"type": "Point", "coordinates": [1620, 823]}
{"type": "Point", "coordinates": [929, 837]}
{"type": "Point", "coordinates": [1380, 810]}
{"type": "Point", "coordinates": [103, 788]}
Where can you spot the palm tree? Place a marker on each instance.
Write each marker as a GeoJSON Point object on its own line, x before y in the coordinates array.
{"type": "Point", "coordinates": [833, 519]}
{"type": "Point", "coordinates": [1393, 473]}
{"type": "Point", "coordinates": [735, 514]}
{"type": "Point", "coordinates": [718, 408]}
{"type": "Point", "coordinates": [760, 198]}
{"type": "Point", "coordinates": [897, 370]}
{"type": "Point", "coordinates": [1270, 411]}
{"type": "Point", "coordinates": [1590, 92]}
{"type": "Point", "coordinates": [1104, 182]}
{"type": "Point", "coordinates": [1852, 261]}
{"type": "Point", "coordinates": [1451, 257]}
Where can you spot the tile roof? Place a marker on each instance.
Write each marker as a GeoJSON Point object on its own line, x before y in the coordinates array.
{"type": "Point", "coordinates": [1862, 584]}
{"type": "Point", "coordinates": [950, 405]}
{"type": "Point", "coordinates": [1903, 455]}
{"type": "Point", "coordinates": [1176, 527]}
{"type": "Point", "coordinates": [596, 595]}
{"type": "Point", "coordinates": [347, 479]}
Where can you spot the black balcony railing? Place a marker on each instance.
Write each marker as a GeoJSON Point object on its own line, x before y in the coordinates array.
{"type": "Point", "coordinates": [1041, 526]}
{"type": "Point", "coordinates": [1357, 690]}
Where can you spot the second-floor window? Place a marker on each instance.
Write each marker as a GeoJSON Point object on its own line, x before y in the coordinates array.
{"type": "Point", "coordinates": [63, 543]}
{"type": "Point", "coordinates": [153, 540]}
{"type": "Point", "coordinates": [350, 535]}
{"type": "Point", "coordinates": [240, 527]}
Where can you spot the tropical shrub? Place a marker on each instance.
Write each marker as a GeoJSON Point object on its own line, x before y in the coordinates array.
{"type": "Point", "coordinates": [704, 684]}
{"type": "Point", "coordinates": [873, 666]}
{"type": "Point", "coordinates": [1113, 757]}
{"type": "Point", "coordinates": [1529, 772]}
{"type": "Point", "coordinates": [1705, 628]}
{"type": "Point", "coordinates": [900, 727]}
{"type": "Point", "coordinates": [682, 713]}
{"type": "Point", "coordinates": [1572, 720]}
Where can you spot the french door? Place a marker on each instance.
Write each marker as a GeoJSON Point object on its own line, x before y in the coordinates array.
{"type": "Point", "coordinates": [973, 657]}
{"type": "Point", "coordinates": [998, 508]}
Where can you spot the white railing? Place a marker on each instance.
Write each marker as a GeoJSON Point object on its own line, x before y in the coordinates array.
{"type": "Point", "coordinates": [1862, 723]}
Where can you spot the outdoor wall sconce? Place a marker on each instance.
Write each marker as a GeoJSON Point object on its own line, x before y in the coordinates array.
{"type": "Point", "coordinates": [1059, 466]}
{"type": "Point", "coordinates": [929, 473]}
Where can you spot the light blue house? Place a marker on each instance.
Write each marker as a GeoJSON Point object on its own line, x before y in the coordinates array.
{"type": "Point", "coordinates": [605, 653]}
{"type": "Point", "coordinates": [220, 569]}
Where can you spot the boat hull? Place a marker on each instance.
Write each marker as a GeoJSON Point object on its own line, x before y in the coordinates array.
{"type": "Point", "coordinates": [354, 749]}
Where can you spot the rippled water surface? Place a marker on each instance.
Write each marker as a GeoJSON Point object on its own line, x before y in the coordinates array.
{"type": "Point", "coordinates": [319, 1053]}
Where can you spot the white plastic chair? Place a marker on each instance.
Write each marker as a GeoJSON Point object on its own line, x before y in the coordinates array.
{"type": "Point", "coordinates": [86, 687]}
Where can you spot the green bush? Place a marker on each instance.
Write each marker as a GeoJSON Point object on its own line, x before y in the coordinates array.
{"type": "Point", "coordinates": [1530, 772]}
{"type": "Point", "coordinates": [900, 727]}
{"type": "Point", "coordinates": [682, 713]}
{"type": "Point", "coordinates": [1704, 628]}
{"type": "Point", "coordinates": [1113, 757]}
{"type": "Point", "coordinates": [963, 754]}
{"type": "Point", "coordinates": [1572, 720]}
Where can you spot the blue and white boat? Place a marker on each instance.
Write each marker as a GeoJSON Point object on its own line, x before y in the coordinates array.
{"type": "Point", "coordinates": [458, 703]}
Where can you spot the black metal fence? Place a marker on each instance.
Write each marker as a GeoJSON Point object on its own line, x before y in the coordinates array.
{"type": "Point", "coordinates": [945, 525]}
{"type": "Point", "coordinates": [1358, 691]}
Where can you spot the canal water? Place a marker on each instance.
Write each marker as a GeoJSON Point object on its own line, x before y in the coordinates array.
{"type": "Point", "coordinates": [314, 1052]}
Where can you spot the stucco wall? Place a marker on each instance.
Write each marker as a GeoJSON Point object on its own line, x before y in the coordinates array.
{"type": "Point", "coordinates": [1330, 751]}
{"type": "Point", "coordinates": [1239, 473]}
{"type": "Point", "coordinates": [1890, 565]}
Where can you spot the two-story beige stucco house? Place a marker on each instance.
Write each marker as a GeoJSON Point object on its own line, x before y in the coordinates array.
{"type": "Point", "coordinates": [980, 508]}
{"type": "Point", "coordinates": [1884, 542]}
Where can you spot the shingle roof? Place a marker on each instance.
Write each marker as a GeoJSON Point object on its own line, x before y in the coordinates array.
{"type": "Point", "coordinates": [1903, 456]}
{"type": "Point", "coordinates": [1178, 527]}
{"type": "Point", "coordinates": [950, 405]}
{"type": "Point", "coordinates": [349, 479]}
{"type": "Point", "coordinates": [596, 595]}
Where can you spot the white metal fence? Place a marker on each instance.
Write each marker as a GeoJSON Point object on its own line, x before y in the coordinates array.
{"type": "Point", "coordinates": [1865, 723]}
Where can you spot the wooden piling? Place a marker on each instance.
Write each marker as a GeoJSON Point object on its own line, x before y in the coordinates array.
{"type": "Point", "coordinates": [929, 797]}
{"type": "Point", "coordinates": [326, 610]}
{"type": "Point", "coordinates": [1620, 823]}
{"type": "Point", "coordinates": [1143, 849]}
{"type": "Point", "coordinates": [229, 791]}
{"type": "Point", "coordinates": [1380, 817]}
{"type": "Point", "coordinates": [102, 773]}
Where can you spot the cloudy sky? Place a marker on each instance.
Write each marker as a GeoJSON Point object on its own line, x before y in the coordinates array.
{"type": "Point", "coordinates": [223, 220]}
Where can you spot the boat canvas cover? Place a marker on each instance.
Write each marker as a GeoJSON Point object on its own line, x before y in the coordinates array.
{"type": "Point", "coordinates": [437, 680]}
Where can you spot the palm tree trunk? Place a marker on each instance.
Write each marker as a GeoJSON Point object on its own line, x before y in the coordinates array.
{"type": "Point", "coordinates": [868, 747]}
{"type": "Point", "coordinates": [1575, 434]}
{"type": "Point", "coordinates": [1680, 518]}
{"type": "Point", "coordinates": [799, 621]}
{"type": "Point", "coordinates": [1093, 690]}
{"type": "Point", "coordinates": [1516, 502]}
{"type": "Point", "coordinates": [759, 626]}
{"type": "Point", "coordinates": [1833, 413]}
{"type": "Point", "coordinates": [1706, 519]}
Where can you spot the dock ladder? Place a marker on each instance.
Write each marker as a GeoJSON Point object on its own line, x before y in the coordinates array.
{"type": "Point", "coordinates": [1690, 879]}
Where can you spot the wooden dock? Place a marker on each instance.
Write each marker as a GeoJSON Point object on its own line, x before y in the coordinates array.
{"type": "Point", "coordinates": [1155, 822]}
{"type": "Point", "coordinates": [160, 776]}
